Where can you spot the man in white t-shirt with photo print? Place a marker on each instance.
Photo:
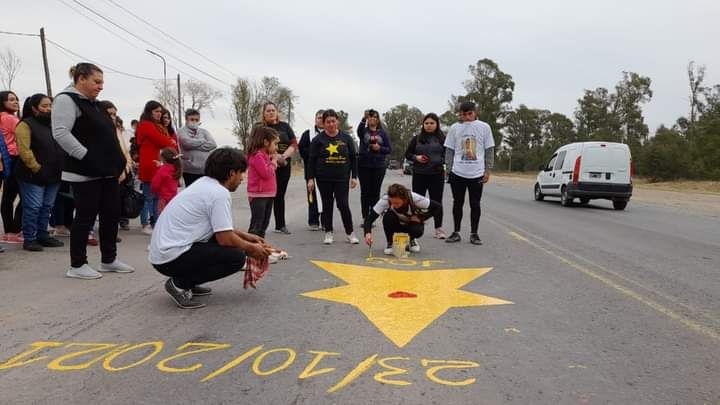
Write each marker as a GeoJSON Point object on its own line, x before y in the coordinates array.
{"type": "Point", "coordinates": [470, 153]}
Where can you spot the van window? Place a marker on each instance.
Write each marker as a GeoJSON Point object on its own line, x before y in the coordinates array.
{"type": "Point", "coordinates": [551, 164]}
{"type": "Point", "coordinates": [560, 160]}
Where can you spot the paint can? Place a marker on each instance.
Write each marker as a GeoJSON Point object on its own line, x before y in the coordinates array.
{"type": "Point", "coordinates": [400, 244]}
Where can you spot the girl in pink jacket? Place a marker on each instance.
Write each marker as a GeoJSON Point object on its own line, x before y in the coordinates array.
{"type": "Point", "coordinates": [261, 186]}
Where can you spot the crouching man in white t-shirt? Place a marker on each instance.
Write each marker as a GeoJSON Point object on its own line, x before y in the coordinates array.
{"type": "Point", "coordinates": [194, 240]}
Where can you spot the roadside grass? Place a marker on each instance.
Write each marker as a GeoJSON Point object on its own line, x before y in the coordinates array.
{"type": "Point", "coordinates": [692, 186]}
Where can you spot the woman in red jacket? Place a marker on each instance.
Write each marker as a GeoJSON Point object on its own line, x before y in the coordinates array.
{"type": "Point", "coordinates": [151, 136]}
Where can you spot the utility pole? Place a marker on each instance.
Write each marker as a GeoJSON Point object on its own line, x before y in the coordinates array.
{"type": "Point", "coordinates": [45, 62]}
{"type": "Point", "coordinates": [179, 103]}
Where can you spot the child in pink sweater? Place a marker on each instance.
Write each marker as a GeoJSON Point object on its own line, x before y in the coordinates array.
{"type": "Point", "coordinates": [165, 181]}
{"type": "Point", "coordinates": [261, 186]}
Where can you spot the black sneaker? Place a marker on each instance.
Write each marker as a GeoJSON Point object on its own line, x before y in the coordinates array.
{"type": "Point", "coordinates": [283, 230]}
{"type": "Point", "coordinates": [453, 238]}
{"type": "Point", "coordinates": [32, 246]}
{"type": "Point", "coordinates": [51, 242]}
{"type": "Point", "coordinates": [199, 291]}
{"type": "Point", "coordinates": [183, 298]}
{"type": "Point", "coordinates": [475, 239]}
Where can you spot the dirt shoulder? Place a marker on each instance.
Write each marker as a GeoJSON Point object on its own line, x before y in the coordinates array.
{"type": "Point", "coordinates": [701, 197]}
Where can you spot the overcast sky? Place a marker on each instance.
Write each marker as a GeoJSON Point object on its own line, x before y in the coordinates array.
{"type": "Point", "coordinates": [355, 55]}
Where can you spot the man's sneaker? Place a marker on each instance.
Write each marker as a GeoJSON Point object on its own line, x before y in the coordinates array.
{"type": "Point", "coordinates": [2, 249]}
{"type": "Point", "coordinates": [475, 239]}
{"type": "Point", "coordinates": [84, 272]}
{"type": "Point", "coordinates": [146, 229]}
{"type": "Point", "coordinates": [388, 250]}
{"type": "Point", "coordinates": [50, 242]}
{"type": "Point", "coordinates": [314, 227]}
{"type": "Point", "coordinates": [414, 246]}
{"type": "Point", "coordinates": [199, 291]}
{"type": "Point", "coordinates": [32, 246]}
{"type": "Point", "coordinates": [116, 267]}
{"type": "Point", "coordinates": [440, 234]}
{"type": "Point", "coordinates": [352, 239]}
{"type": "Point", "coordinates": [283, 230]}
{"type": "Point", "coordinates": [183, 298]}
{"type": "Point", "coordinates": [124, 227]}
{"type": "Point", "coordinates": [328, 238]}
{"type": "Point", "coordinates": [454, 237]}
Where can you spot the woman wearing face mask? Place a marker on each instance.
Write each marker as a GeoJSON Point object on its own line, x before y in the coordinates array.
{"type": "Point", "coordinates": [286, 148]}
{"type": "Point", "coordinates": [11, 215]}
{"type": "Point", "coordinates": [427, 153]}
{"type": "Point", "coordinates": [38, 172]}
{"type": "Point", "coordinates": [372, 160]}
{"type": "Point", "coordinates": [151, 136]}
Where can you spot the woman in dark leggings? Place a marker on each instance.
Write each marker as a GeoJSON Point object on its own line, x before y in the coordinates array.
{"type": "Point", "coordinates": [403, 212]}
{"type": "Point", "coordinates": [372, 159]}
{"type": "Point", "coordinates": [427, 153]}
{"type": "Point", "coordinates": [11, 213]}
{"type": "Point", "coordinates": [333, 169]}
{"type": "Point", "coordinates": [286, 148]}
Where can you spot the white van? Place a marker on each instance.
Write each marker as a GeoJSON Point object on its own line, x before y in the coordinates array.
{"type": "Point", "coordinates": [588, 170]}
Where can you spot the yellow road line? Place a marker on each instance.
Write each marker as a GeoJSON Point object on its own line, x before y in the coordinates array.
{"type": "Point", "coordinates": [690, 324]}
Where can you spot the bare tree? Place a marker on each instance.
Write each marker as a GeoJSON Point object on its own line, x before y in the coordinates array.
{"type": "Point", "coordinates": [248, 98]}
{"type": "Point", "coordinates": [10, 64]}
{"type": "Point", "coordinates": [195, 94]}
{"type": "Point", "coordinates": [696, 76]}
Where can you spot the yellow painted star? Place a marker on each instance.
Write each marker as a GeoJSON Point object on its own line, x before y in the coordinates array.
{"type": "Point", "coordinates": [332, 149]}
{"type": "Point", "coordinates": [402, 303]}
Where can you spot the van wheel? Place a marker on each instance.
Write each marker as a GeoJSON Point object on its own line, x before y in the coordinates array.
{"type": "Point", "coordinates": [619, 204]}
{"type": "Point", "coordinates": [584, 201]}
{"type": "Point", "coordinates": [539, 196]}
{"type": "Point", "coordinates": [565, 199]}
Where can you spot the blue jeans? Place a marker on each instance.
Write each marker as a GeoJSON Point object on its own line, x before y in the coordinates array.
{"type": "Point", "coordinates": [37, 203]}
{"type": "Point", "coordinates": [148, 215]}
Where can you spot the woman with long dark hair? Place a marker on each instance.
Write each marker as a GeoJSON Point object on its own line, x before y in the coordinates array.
{"type": "Point", "coordinates": [11, 214]}
{"type": "Point", "coordinates": [38, 171]}
{"type": "Point", "coordinates": [372, 159]}
{"type": "Point", "coordinates": [151, 136]}
{"type": "Point", "coordinates": [427, 153]}
{"type": "Point", "coordinates": [286, 148]}
{"type": "Point", "coordinates": [333, 170]}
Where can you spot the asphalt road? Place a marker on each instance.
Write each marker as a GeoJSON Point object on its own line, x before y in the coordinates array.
{"type": "Point", "coordinates": [581, 305]}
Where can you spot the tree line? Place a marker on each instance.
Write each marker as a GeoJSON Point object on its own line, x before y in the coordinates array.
{"type": "Point", "coordinates": [527, 136]}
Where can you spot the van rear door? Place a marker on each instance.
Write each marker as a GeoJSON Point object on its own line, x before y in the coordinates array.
{"type": "Point", "coordinates": [605, 163]}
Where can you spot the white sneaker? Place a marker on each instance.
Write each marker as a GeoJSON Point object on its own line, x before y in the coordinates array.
{"type": "Point", "coordinates": [116, 267]}
{"type": "Point", "coordinates": [147, 230]}
{"type": "Point", "coordinates": [388, 250]}
{"type": "Point", "coordinates": [352, 239]}
{"type": "Point", "coordinates": [84, 272]}
{"type": "Point", "coordinates": [328, 238]}
{"type": "Point", "coordinates": [272, 259]}
{"type": "Point", "coordinates": [414, 246]}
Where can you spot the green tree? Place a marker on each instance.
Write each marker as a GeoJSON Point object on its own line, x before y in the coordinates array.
{"type": "Point", "coordinates": [492, 90]}
{"type": "Point", "coordinates": [247, 99]}
{"type": "Point", "coordinates": [344, 123]}
{"type": "Point", "coordinates": [401, 124]}
{"type": "Point", "coordinates": [596, 117]}
{"type": "Point", "coordinates": [665, 156]}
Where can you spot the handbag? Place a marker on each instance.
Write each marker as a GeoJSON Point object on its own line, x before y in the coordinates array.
{"type": "Point", "coordinates": [131, 200]}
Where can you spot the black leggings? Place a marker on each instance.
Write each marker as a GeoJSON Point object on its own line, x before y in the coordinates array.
{"type": "Point", "coordinates": [459, 185]}
{"type": "Point", "coordinates": [92, 199]}
{"type": "Point", "coordinates": [202, 263]}
{"type": "Point", "coordinates": [392, 225]}
{"type": "Point", "coordinates": [371, 179]}
{"type": "Point", "coordinates": [260, 210]}
{"type": "Point", "coordinates": [11, 214]}
{"type": "Point", "coordinates": [435, 185]}
{"type": "Point", "coordinates": [282, 176]}
{"type": "Point", "coordinates": [329, 192]}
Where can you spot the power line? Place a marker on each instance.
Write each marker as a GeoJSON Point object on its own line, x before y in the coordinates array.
{"type": "Point", "coordinates": [115, 34]}
{"type": "Point", "coordinates": [177, 41]}
{"type": "Point", "coordinates": [68, 51]}
{"type": "Point", "coordinates": [147, 42]}
{"type": "Point", "coordinates": [22, 34]}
